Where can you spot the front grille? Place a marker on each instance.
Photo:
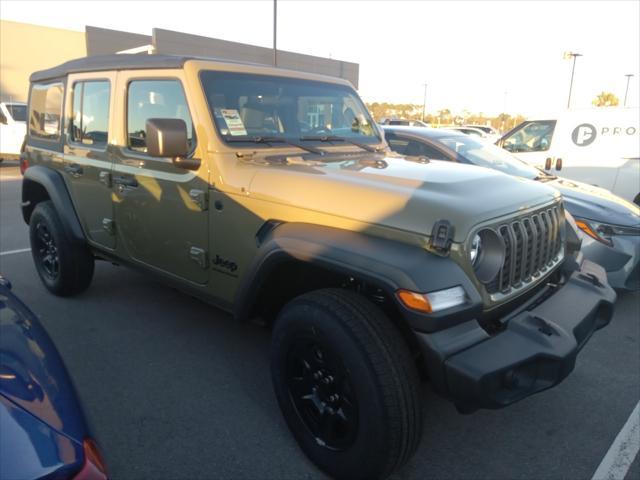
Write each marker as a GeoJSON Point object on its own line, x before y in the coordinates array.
{"type": "Point", "coordinates": [533, 245]}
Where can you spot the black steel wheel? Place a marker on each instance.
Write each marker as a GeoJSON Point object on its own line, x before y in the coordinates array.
{"type": "Point", "coordinates": [322, 393]}
{"type": "Point", "coordinates": [346, 383]}
{"type": "Point", "coordinates": [46, 251]}
{"type": "Point", "coordinates": [65, 267]}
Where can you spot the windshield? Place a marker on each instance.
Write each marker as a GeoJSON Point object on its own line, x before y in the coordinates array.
{"type": "Point", "coordinates": [18, 112]}
{"type": "Point", "coordinates": [488, 155]}
{"type": "Point", "coordinates": [253, 106]}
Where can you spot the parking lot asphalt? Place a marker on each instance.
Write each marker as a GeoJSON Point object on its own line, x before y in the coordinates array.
{"type": "Point", "coordinates": [175, 389]}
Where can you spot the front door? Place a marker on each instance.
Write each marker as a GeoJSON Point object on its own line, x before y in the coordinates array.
{"type": "Point", "coordinates": [531, 142]}
{"type": "Point", "coordinates": [87, 160]}
{"type": "Point", "coordinates": [160, 209]}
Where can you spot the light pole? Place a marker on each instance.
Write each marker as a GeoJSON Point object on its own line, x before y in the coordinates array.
{"type": "Point", "coordinates": [626, 91]}
{"type": "Point", "coordinates": [504, 111]}
{"type": "Point", "coordinates": [573, 69]}
{"type": "Point", "coordinates": [424, 102]}
{"type": "Point", "coordinates": [275, 30]}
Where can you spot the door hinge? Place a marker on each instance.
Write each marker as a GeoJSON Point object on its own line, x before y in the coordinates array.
{"type": "Point", "coordinates": [199, 198]}
{"type": "Point", "coordinates": [199, 255]}
{"type": "Point", "coordinates": [109, 225]}
{"type": "Point", "coordinates": [105, 178]}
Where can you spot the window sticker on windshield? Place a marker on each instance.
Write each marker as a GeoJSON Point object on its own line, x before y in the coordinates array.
{"type": "Point", "coordinates": [233, 121]}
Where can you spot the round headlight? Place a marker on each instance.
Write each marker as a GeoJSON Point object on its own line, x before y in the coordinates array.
{"type": "Point", "coordinates": [487, 253]}
{"type": "Point", "coordinates": [476, 246]}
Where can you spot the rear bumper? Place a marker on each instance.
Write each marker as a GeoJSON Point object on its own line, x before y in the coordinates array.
{"type": "Point", "coordinates": [536, 349]}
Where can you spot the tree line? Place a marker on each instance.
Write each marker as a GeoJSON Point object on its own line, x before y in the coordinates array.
{"type": "Point", "coordinates": [408, 111]}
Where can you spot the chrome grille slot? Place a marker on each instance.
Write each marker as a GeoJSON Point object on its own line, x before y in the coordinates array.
{"type": "Point", "coordinates": [533, 245]}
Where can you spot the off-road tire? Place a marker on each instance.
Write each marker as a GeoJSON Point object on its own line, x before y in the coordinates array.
{"type": "Point", "coordinates": [383, 378]}
{"type": "Point", "coordinates": [75, 263]}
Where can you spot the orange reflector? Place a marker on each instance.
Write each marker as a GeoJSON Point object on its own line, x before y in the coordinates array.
{"type": "Point", "coordinates": [414, 301]}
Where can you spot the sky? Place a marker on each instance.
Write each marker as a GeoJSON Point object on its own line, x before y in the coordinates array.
{"type": "Point", "coordinates": [482, 56]}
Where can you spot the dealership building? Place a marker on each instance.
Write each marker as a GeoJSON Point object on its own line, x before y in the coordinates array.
{"type": "Point", "coordinates": [26, 48]}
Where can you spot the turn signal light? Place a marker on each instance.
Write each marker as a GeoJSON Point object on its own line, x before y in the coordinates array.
{"type": "Point", "coordinates": [415, 301]}
{"type": "Point", "coordinates": [586, 228]}
{"type": "Point", "coordinates": [433, 301]}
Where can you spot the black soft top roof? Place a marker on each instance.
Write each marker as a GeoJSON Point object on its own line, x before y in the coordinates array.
{"type": "Point", "coordinates": [114, 61]}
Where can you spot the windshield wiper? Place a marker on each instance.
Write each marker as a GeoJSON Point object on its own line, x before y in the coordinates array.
{"type": "Point", "coordinates": [336, 138]}
{"type": "Point", "coordinates": [273, 139]}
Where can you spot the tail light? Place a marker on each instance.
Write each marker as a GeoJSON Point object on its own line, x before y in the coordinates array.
{"type": "Point", "coordinates": [24, 161]}
{"type": "Point", "coordinates": [24, 164]}
{"type": "Point", "coordinates": [93, 467]}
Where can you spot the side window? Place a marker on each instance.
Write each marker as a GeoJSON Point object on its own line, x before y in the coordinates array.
{"type": "Point", "coordinates": [45, 111]}
{"type": "Point", "coordinates": [90, 120]}
{"type": "Point", "coordinates": [531, 137]}
{"type": "Point", "coordinates": [3, 119]}
{"type": "Point", "coordinates": [396, 144]}
{"type": "Point", "coordinates": [155, 99]}
{"type": "Point", "coordinates": [428, 151]}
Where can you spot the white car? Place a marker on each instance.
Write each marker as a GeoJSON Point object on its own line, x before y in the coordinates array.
{"type": "Point", "coordinates": [491, 134]}
{"type": "Point", "coordinates": [598, 146]}
{"type": "Point", "coordinates": [13, 128]}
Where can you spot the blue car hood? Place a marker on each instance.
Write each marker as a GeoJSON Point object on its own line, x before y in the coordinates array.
{"type": "Point", "coordinates": [32, 374]}
{"type": "Point", "coordinates": [596, 203]}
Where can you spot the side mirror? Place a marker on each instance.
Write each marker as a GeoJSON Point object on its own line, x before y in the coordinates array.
{"type": "Point", "coordinates": [558, 164]}
{"type": "Point", "coordinates": [167, 137]}
{"type": "Point", "coordinates": [547, 163]}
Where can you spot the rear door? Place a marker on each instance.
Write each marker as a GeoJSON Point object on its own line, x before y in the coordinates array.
{"type": "Point", "coordinates": [160, 209]}
{"type": "Point", "coordinates": [88, 159]}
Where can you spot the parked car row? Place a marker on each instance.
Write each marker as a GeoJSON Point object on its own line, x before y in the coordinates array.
{"type": "Point", "coordinates": [274, 194]}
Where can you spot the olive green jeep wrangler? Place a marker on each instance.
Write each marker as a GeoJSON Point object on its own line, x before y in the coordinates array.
{"type": "Point", "coordinates": [272, 195]}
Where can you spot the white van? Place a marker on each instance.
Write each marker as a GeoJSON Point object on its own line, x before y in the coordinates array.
{"type": "Point", "coordinates": [599, 146]}
{"type": "Point", "coordinates": [13, 128]}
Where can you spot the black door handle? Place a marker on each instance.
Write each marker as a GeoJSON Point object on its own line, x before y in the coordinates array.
{"type": "Point", "coordinates": [74, 169]}
{"type": "Point", "coordinates": [125, 181]}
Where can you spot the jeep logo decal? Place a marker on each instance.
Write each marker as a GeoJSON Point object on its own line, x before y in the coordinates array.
{"type": "Point", "coordinates": [584, 134]}
{"type": "Point", "coordinates": [226, 264]}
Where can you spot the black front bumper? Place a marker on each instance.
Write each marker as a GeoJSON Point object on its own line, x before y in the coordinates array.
{"type": "Point", "coordinates": [536, 349]}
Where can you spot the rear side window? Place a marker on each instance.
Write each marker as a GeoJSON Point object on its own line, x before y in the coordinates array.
{"type": "Point", "coordinates": [155, 99]}
{"type": "Point", "coordinates": [90, 120]}
{"type": "Point", "coordinates": [45, 114]}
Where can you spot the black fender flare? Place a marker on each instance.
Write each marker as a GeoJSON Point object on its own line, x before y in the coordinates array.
{"type": "Point", "coordinates": [386, 263]}
{"type": "Point", "coordinates": [53, 183]}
